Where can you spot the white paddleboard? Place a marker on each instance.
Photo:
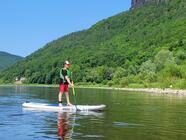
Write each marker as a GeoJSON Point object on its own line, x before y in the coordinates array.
{"type": "Point", "coordinates": [56, 107]}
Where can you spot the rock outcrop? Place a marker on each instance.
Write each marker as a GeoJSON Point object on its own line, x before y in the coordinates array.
{"type": "Point", "coordinates": [137, 3]}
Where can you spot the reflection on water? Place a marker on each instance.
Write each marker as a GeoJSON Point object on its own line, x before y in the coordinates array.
{"type": "Point", "coordinates": [68, 122]}
{"type": "Point", "coordinates": [128, 115]}
{"type": "Point", "coordinates": [63, 125]}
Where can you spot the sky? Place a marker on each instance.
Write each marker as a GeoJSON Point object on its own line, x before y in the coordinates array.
{"type": "Point", "coordinates": [27, 25]}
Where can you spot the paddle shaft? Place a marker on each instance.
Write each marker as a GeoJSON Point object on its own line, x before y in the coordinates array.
{"type": "Point", "coordinates": [73, 91]}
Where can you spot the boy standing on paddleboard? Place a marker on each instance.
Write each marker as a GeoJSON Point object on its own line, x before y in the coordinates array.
{"type": "Point", "coordinates": [65, 80]}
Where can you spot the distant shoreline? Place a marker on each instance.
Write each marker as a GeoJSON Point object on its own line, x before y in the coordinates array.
{"type": "Point", "coordinates": [166, 91]}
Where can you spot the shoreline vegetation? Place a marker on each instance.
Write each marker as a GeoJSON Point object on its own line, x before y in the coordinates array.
{"type": "Point", "coordinates": [161, 91]}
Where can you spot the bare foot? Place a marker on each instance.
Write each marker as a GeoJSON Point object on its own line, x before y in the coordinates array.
{"type": "Point", "coordinates": [60, 105]}
{"type": "Point", "coordinates": [69, 104]}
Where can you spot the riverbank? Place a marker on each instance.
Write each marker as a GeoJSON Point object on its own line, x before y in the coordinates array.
{"type": "Point", "coordinates": [162, 91]}
{"type": "Point", "coordinates": [165, 91]}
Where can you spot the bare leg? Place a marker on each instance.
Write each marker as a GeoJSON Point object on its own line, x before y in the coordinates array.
{"type": "Point", "coordinates": [67, 97]}
{"type": "Point", "coordinates": [60, 97]}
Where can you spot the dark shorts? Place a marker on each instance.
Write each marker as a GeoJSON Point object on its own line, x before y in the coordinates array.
{"type": "Point", "coordinates": [63, 88]}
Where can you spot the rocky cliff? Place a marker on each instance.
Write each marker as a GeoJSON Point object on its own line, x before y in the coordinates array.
{"type": "Point", "coordinates": [137, 3]}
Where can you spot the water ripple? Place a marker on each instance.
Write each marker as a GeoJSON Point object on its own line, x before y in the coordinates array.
{"type": "Point", "coordinates": [93, 136]}
{"type": "Point", "coordinates": [124, 124]}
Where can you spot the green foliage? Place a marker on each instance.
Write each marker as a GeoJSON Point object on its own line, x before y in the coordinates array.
{"type": "Point", "coordinates": [110, 83]}
{"type": "Point", "coordinates": [180, 56]}
{"type": "Point", "coordinates": [183, 71]}
{"type": "Point", "coordinates": [119, 73]}
{"type": "Point", "coordinates": [7, 60]}
{"type": "Point", "coordinates": [170, 75]}
{"type": "Point", "coordinates": [163, 59]}
{"type": "Point", "coordinates": [148, 67]}
{"type": "Point", "coordinates": [148, 72]}
{"type": "Point", "coordinates": [140, 47]}
{"type": "Point", "coordinates": [124, 82]}
{"type": "Point", "coordinates": [98, 74]}
{"type": "Point", "coordinates": [35, 77]}
{"type": "Point", "coordinates": [180, 84]}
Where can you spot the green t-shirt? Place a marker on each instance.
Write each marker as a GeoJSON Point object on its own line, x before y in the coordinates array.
{"type": "Point", "coordinates": [63, 74]}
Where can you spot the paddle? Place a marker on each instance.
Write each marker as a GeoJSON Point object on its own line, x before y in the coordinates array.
{"type": "Point", "coordinates": [74, 93]}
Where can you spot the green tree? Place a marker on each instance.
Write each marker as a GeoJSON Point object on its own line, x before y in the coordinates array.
{"type": "Point", "coordinates": [163, 58]}
{"type": "Point", "coordinates": [148, 71]}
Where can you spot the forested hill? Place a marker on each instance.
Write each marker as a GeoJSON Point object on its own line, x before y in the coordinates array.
{"type": "Point", "coordinates": [145, 46]}
{"type": "Point", "coordinates": [7, 60]}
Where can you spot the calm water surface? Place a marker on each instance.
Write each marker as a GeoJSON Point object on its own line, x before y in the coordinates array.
{"type": "Point", "coordinates": [128, 115]}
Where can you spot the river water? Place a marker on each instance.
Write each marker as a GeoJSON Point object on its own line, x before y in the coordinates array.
{"type": "Point", "coordinates": [128, 115]}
